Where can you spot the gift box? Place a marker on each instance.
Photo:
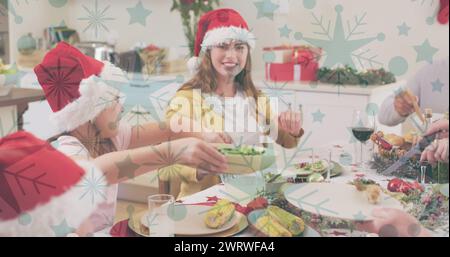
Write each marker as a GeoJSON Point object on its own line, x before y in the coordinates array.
{"type": "Point", "coordinates": [174, 66]}
{"type": "Point", "coordinates": [152, 58]}
{"type": "Point", "coordinates": [292, 63]}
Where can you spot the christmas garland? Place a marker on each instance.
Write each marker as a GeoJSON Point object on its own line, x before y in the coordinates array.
{"type": "Point", "coordinates": [349, 76]}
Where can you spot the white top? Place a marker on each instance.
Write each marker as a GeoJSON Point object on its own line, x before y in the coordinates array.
{"type": "Point", "coordinates": [239, 125]}
{"type": "Point", "coordinates": [104, 215]}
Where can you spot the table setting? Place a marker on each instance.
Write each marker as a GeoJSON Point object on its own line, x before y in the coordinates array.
{"type": "Point", "coordinates": [320, 192]}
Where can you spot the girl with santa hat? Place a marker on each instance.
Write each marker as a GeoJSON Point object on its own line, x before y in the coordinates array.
{"type": "Point", "coordinates": [86, 111]}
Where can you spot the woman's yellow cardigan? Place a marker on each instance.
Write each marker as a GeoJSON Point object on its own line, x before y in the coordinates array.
{"type": "Point", "coordinates": [182, 104]}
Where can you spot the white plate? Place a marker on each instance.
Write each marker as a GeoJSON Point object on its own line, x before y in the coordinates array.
{"type": "Point", "coordinates": [303, 172]}
{"type": "Point", "coordinates": [193, 223]}
{"type": "Point", "coordinates": [340, 201]}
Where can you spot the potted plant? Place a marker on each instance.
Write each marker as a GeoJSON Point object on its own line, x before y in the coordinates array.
{"type": "Point", "coordinates": [191, 11]}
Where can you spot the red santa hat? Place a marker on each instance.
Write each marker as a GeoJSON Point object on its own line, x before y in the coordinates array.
{"type": "Point", "coordinates": [40, 188]}
{"type": "Point", "coordinates": [443, 12]}
{"type": "Point", "coordinates": [76, 86]}
{"type": "Point", "coordinates": [216, 27]}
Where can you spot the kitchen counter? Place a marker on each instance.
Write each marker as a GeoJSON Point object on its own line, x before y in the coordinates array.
{"type": "Point", "coordinates": [19, 96]}
{"type": "Point", "coordinates": [304, 86]}
{"type": "Point", "coordinates": [14, 105]}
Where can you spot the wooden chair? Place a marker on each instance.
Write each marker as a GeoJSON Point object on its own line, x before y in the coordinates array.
{"type": "Point", "coordinates": [170, 187]}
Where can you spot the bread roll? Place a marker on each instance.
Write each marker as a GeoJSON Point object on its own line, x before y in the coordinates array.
{"type": "Point", "coordinates": [394, 139]}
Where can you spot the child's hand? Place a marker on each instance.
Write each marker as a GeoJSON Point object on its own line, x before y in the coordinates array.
{"type": "Point", "coordinates": [290, 122]}
{"type": "Point", "coordinates": [389, 222]}
{"type": "Point", "coordinates": [198, 154]}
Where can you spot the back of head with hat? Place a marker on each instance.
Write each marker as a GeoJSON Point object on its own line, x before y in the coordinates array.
{"type": "Point", "coordinates": [40, 188]}
{"type": "Point", "coordinates": [76, 86]}
{"type": "Point", "coordinates": [216, 27]}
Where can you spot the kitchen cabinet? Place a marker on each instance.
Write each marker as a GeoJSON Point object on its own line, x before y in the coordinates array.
{"type": "Point", "coordinates": [328, 109]}
{"type": "Point", "coordinates": [4, 36]}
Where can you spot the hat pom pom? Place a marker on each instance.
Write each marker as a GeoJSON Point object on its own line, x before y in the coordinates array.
{"type": "Point", "coordinates": [193, 65]}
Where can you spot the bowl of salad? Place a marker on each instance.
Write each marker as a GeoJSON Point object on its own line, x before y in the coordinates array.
{"type": "Point", "coordinates": [245, 159]}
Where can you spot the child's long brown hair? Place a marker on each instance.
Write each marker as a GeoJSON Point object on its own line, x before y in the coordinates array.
{"type": "Point", "coordinates": [205, 79]}
{"type": "Point", "coordinates": [93, 142]}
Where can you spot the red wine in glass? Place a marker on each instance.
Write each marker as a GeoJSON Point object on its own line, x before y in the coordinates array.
{"type": "Point", "coordinates": [362, 134]}
{"type": "Point", "coordinates": [362, 128]}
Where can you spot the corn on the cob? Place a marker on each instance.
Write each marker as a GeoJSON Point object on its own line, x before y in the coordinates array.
{"type": "Point", "coordinates": [294, 224]}
{"type": "Point", "coordinates": [219, 214]}
{"type": "Point", "coordinates": [271, 227]}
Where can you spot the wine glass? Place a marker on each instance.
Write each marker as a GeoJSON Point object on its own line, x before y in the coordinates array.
{"type": "Point", "coordinates": [362, 128]}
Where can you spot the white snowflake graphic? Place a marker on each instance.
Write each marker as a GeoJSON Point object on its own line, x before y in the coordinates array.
{"type": "Point", "coordinates": [96, 19]}
{"type": "Point", "coordinates": [93, 186]}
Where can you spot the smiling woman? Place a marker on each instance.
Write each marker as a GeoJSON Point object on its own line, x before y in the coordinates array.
{"type": "Point", "coordinates": [222, 68]}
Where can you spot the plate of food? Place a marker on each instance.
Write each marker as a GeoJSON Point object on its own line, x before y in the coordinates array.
{"type": "Point", "coordinates": [276, 222]}
{"type": "Point", "coordinates": [246, 159]}
{"type": "Point", "coordinates": [341, 201]}
{"type": "Point", "coordinates": [200, 220]}
{"type": "Point", "coordinates": [308, 168]}
{"type": "Point", "coordinates": [305, 169]}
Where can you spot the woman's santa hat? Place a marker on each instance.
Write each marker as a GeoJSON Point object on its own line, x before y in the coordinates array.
{"type": "Point", "coordinates": [76, 86]}
{"type": "Point", "coordinates": [42, 192]}
{"type": "Point", "coordinates": [216, 27]}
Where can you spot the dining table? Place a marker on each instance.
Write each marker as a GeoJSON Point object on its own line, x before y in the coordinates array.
{"type": "Point", "coordinates": [284, 160]}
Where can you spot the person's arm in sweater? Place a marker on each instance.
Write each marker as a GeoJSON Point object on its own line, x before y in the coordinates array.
{"type": "Point", "coordinates": [398, 106]}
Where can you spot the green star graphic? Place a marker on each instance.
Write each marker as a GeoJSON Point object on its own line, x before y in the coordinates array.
{"type": "Point", "coordinates": [127, 168]}
{"type": "Point", "coordinates": [403, 29]}
{"type": "Point", "coordinates": [398, 91]}
{"type": "Point", "coordinates": [339, 47]}
{"type": "Point", "coordinates": [57, 3]}
{"type": "Point", "coordinates": [138, 14]}
{"type": "Point", "coordinates": [285, 31]}
{"type": "Point", "coordinates": [318, 116]}
{"type": "Point", "coordinates": [359, 216]}
{"type": "Point", "coordinates": [437, 86]}
{"type": "Point", "coordinates": [425, 52]}
{"type": "Point", "coordinates": [62, 229]}
{"type": "Point", "coordinates": [266, 9]}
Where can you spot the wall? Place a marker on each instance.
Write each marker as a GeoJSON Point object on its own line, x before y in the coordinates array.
{"type": "Point", "coordinates": [31, 16]}
{"type": "Point", "coordinates": [402, 51]}
{"type": "Point", "coordinates": [396, 51]}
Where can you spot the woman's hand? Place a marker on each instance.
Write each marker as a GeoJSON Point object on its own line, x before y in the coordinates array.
{"type": "Point", "coordinates": [216, 137]}
{"type": "Point", "coordinates": [440, 125]}
{"type": "Point", "coordinates": [290, 122]}
{"type": "Point", "coordinates": [393, 223]}
{"type": "Point", "coordinates": [198, 154]}
{"type": "Point", "coordinates": [438, 150]}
